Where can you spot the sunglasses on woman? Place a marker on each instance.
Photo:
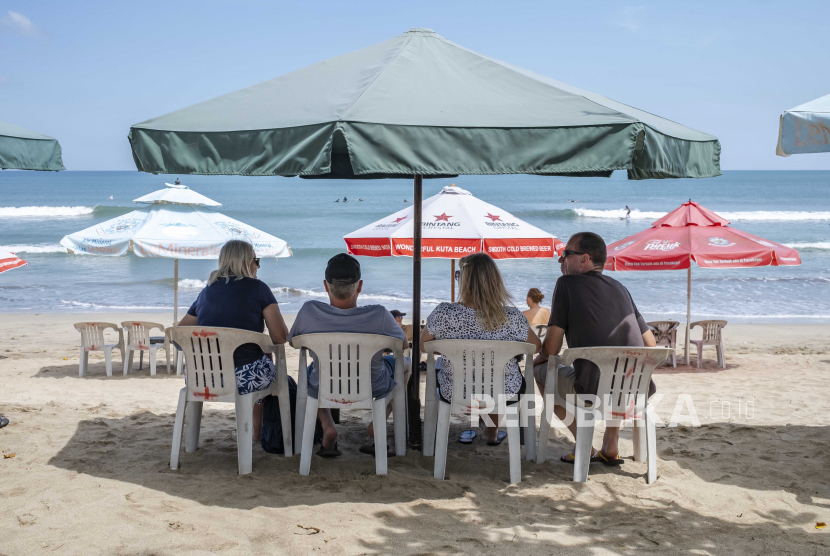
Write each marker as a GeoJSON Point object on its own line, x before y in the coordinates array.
{"type": "Point", "coordinates": [256, 261]}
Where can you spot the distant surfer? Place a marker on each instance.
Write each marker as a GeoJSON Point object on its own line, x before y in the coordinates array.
{"type": "Point", "coordinates": [627, 212]}
{"type": "Point", "coordinates": [360, 199]}
{"type": "Point", "coordinates": [337, 200]}
{"type": "Point", "coordinates": [177, 182]}
{"type": "Point", "coordinates": [345, 200]}
{"type": "Point", "coordinates": [110, 199]}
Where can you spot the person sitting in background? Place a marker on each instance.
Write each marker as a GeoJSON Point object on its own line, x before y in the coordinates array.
{"type": "Point", "coordinates": [343, 286]}
{"type": "Point", "coordinates": [235, 298]}
{"type": "Point", "coordinates": [484, 312]}
{"type": "Point", "coordinates": [536, 314]}
{"type": "Point", "coordinates": [590, 310]}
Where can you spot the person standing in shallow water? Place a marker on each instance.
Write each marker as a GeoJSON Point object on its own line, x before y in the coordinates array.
{"type": "Point", "coordinates": [535, 313]}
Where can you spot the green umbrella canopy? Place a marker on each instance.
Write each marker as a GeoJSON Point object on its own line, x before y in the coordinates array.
{"type": "Point", "coordinates": [22, 149]}
{"type": "Point", "coordinates": [418, 104]}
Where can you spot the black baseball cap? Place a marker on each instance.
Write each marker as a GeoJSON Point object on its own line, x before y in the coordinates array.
{"type": "Point", "coordinates": [342, 269]}
{"type": "Point", "coordinates": [396, 313]}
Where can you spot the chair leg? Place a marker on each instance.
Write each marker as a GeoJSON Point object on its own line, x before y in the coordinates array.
{"type": "Point", "coordinates": [442, 433]}
{"type": "Point", "coordinates": [83, 361]}
{"type": "Point", "coordinates": [700, 355]}
{"type": "Point", "coordinates": [127, 361]}
{"type": "Point", "coordinates": [178, 424]}
{"type": "Point", "coordinates": [547, 416]}
{"type": "Point", "coordinates": [308, 434]}
{"type": "Point", "coordinates": [193, 424]}
{"type": "Point", "coordinates": [674, 360]}
{"type": "Point", "coordinates": [651, 433]}
{"type": "Point", "coordinates": [152, 356]}
{"type": "Point", "coordinates": [582, 451]}
{"type": "Point", "coordinates": [379, 424]}
{"type": "Point", "coordinates": [108, 359]}
{"type": "Point", "coordinates": [530, 416]}
{"type": "Point", "coordinates": [244, 432]}
{"type": "Point", "coordinates": [721, 356]}
{"type": "Point", "coordinates": [431, 405]}
{"type": "Point", "coordinates": [640, 440]}
{"type": "Point", "coordinates": [179, 362]}
{"type": "Point", "coordinates": [140, 359]}
{"type": "Point", "coordinates": [399, 418]}
{"type": "Point", "coordinates": [302, 396]}
{"type": "Point", "coordinates": [515, 450]}
{"type": "Point", "coordinates": [281, 388]}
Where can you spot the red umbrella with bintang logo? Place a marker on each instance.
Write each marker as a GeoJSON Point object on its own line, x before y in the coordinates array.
{"type": "Point", "coordinates": [456, 224]}
{"type": "Point", "coordinates": [694, 233]}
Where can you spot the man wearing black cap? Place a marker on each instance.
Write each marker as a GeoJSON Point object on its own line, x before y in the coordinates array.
{"type": "Point", "coordinates": [343, 285]}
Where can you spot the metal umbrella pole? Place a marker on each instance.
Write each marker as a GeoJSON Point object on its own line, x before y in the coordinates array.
{"type": "Point", "coordinates": [415, 427]}
{"type": "Point", "coordinates": [688, 312]}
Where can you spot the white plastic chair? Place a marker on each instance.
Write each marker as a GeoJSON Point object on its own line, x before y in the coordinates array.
{"type": "Point", "coordinates": [138, 339]}
{"type": "Point", "coordinates": [211, 377]}
{"type": "Point", "coordinates": [712, 336]}
{"type": "Point", "coordinates": [665, 333]}
{"type": "Point", "coordinates": [344, 365]}
{"type": "Point", "coordinates": [625, 373]}
{"type": "Point", "coordinates": [92, 339]}
{"type": "Point", "coordinates": [477, 368]}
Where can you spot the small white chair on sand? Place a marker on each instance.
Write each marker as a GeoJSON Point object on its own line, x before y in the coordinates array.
{"type": "Point", "coordinates": [712, 336]}
{"type": "Point", "coordinates": [139, 339]}
{"type": "Point", "coordinates": [665, 333]}
{"type": "Point", "coordinates": [477, 368]}
{"type": "Point", "coordinates": [92, 339]}
{"type": "Point", "coordinates": [211, 377]}
{"type": "Point", "coordinates": [345, 372]}
{"type": "Point", "coordinates": [622, 394]}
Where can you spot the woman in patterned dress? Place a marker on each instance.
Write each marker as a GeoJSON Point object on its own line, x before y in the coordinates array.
{"type": "Point", "coordinates": [484, 312]}
{"type": "Point", "coordinates": [235, 298]}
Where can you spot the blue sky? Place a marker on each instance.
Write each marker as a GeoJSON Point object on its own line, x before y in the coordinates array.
{"type": "Point", "coordinates": [85, 71]}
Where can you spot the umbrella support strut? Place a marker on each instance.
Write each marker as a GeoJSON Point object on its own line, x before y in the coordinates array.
{"type": "Point", "coordinates": [452, 280]}
{"type": "Point", "coordinates": [688, 313]}
{"type": "Point", "coordinates": [175, 292]}
{"type": "Point", "coordinates": [414, 394]}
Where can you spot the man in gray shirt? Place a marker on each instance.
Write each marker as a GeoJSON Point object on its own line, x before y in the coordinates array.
{"type": "Point", "coordinates": [341, 314]}
{"type": "Point", "coordinates": [589, 309]}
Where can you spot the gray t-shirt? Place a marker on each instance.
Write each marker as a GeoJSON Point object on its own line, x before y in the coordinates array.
{"type": "Point", "coordinates": [316, 317]}
{"type": "Point", "coordinates": [595, 310]}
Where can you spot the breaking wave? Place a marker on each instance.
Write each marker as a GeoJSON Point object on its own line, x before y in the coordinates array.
{"type": "Point", "coordinates": [42, 248]}
{"type": "Point", "coordinates": [758, 215]}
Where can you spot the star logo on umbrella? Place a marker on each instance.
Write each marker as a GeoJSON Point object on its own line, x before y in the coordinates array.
{"type": "Point", "coordinates": [399, 219]}
{"type": "Point", "coordinates": [493, 217]}
{"type": "Point", "coordinates": [443, 217]}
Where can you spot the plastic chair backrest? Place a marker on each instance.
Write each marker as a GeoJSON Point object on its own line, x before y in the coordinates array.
{"type": "Point", "coordinates": [711, 329]}
{"type": "Point", "coordinates": [92, 334]}
{"type": "Point", "coordinates": [663, 329]}
{"type": "Point", "coordinates": [478, 368]}
{"type": "Point", "coordinates": [541, 330]}
{"type": "Point", "coordinates": [138, 333]}
{"type": "Point", "coordinates": [624, 379]}
{"type": "Point", "coordinates": [344, 365]}
{"type": "Point", "coordinates": [208, 352]}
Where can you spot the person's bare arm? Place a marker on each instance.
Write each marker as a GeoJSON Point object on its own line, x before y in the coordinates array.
{"type": "Point", "coordinates": [532, 338]}
{"type": "Point", "coordinates": [275, 323]}
{"type": "Point", "coordinates": [648, 339]}
{"type": "Point", "coordinates": [553, 344]}
{"type": "Point", "coordinates": [189, 320]}
{"type": "Point", "coordinates": [425, 337]}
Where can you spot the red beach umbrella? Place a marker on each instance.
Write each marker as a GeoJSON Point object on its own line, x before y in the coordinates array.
{"type": "Point", "coordinates": [9, 261]}
{"type": "Point", "coordinates": [456, 224]}
{"type": "Point", "coordinates": [694, 233]}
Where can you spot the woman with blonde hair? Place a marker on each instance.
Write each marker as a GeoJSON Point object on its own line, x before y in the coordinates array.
{"type": "Point", "coordinates": [235, 298]}
{"type": "Point", "coordinates": [484, 312]}
{"type": "Point", "coordinates": [536, 314]}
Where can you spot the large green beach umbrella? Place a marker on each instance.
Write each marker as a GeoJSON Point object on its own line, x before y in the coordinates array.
{"type": "Point", "coordinates": [805, 128]}
{"type": "Point", "coordinates": [418, 106]}
{"type": "Point", "coordinates": [23, 149]}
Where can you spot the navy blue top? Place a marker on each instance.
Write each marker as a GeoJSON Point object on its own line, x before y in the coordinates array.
{"type": "Point", "coordinates": [235, 304]}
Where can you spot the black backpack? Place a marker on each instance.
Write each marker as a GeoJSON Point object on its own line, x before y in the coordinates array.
{"type": "Point", "coordinates": [272, 421]}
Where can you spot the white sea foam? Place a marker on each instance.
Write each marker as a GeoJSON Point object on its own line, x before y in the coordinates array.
{"type": "Point", "coordinates": [84, 305]}
{"type": "Point", "coordinates": [42, 248]}
{"type": "Point", "coordinates": [809, 245]}
{"type": "Point", "coordinates": [758, 215]}
{"type": "Point", "coordinates": [192, 284]}
{"type": "Point", "coordinates": [18, 212]}
{"type": "Point", "coordinates": [284, 290]}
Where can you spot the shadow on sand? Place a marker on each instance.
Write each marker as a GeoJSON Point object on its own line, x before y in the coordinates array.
{"type": "Point", "coordinates": [97, 370]}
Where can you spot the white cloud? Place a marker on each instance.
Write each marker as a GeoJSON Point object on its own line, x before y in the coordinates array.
{"type": "Point", "coordinates": [628, 18]}
{"type": "Point", "coordinates": [19, 24]}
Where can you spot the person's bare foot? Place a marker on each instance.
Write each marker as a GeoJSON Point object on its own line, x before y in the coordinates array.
{"type": "Point", "coordinates": [329, 437]}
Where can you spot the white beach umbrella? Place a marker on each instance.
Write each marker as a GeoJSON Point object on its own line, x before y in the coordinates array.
{"type": "Point", "coordinates": [455, 224]}
{"type": "Point", "coordinates": [174, 230]}
{"type": "Point", "coordinates": [9, 261]}
{"type": "Point", "coordinates": [805, 128]}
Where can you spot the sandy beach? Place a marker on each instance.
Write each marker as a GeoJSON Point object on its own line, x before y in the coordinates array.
{"type": "Point", "coordinates": [90, 472]}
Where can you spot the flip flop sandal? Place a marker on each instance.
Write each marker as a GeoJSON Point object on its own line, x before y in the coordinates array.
{"type": "Point", "coordinates": [500, 436]}
{"type": "Point", "coordinates": [615, 462]}
{"type": "Point", "coordinates": [3, 422]}
{"type": "Point", "coordinates": [467, 436]}
{"type": "Point", "coordinates": [369, 450]}
{"type": "Point", "coordinates": [329, 452]}
{"type": "Point", "coordinates": [564, 459]}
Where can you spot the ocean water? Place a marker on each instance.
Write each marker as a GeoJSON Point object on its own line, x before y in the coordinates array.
{"type": "Point", "coordinates": [37, 209]}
